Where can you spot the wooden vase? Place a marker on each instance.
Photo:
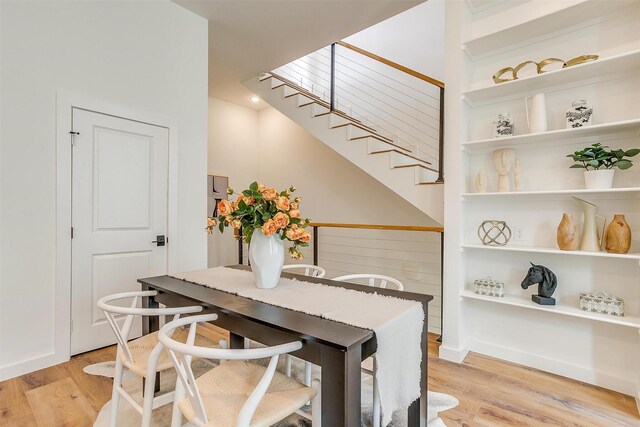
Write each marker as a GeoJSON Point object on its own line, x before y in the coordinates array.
{"type": "Point", "coordinates": [618, 236]}
{"type": "Point", "coordinates": [568, 237]}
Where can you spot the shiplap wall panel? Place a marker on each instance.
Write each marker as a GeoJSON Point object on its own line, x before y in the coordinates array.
{"type": "Point", "coordinates": [413, 257]}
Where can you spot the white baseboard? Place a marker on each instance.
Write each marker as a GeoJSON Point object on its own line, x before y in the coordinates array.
{"type": "Point", "coordinates": [602, 379]}
{"type": "Point", "coordinates": [24, 367]}
{"type": "Point", "coordinates": [451, 354]}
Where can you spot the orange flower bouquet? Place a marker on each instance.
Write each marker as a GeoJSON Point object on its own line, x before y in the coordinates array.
{"type": "Point", "coordinates": [267, 210]}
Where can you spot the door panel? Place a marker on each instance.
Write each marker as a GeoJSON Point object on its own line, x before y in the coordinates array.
{"type": "Point", "coordinates": [120, 172]}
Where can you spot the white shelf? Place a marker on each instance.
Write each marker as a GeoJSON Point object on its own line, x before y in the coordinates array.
{"type": "Point", "coordinates": [522, 301]}
{"type": "Point", "coordinates": [542, 27]}
{"type": "Point", "coordinates": [613, 193]}
{"type": "Point", "coordinates": [585, 134]}
{"type": "Point", "coordinates": [578, 75]}
{"type": "Point", "coordinates": [554, 251]}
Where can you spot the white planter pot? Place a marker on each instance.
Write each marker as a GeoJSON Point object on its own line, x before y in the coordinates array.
{"type": "Point", "coordinates": [599, 179]}
{"type": "Point", "coordinates": [266, 254]}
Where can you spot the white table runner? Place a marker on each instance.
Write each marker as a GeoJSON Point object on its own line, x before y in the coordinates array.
{"type": "Point", "coordinates": [396, 322]}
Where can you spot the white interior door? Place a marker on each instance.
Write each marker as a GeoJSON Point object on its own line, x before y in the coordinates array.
{"type": "Point", "coordinates": [119, 207]}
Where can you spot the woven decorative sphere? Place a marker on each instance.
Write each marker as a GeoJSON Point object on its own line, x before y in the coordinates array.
{"type": "Point", "coordinates": [494, 233]}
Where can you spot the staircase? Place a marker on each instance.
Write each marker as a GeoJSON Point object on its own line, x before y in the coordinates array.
{"type": "Point", "coordinates": [413, 171]}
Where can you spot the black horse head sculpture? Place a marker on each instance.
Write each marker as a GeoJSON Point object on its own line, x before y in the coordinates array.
{"type": "Point", "coordinates": [546, 281]}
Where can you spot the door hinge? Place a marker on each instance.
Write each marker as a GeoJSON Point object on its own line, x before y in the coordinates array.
{"type": "Point", "coordinates": [72, 232]}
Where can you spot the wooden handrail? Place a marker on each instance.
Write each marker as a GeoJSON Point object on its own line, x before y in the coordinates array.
{"type": "Point", "coordinates": [392, 64]}
{"type": "Point", "coordinates": [379, 227]}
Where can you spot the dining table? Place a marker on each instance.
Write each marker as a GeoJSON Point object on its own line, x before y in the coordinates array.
{"type": "Point", "coordinates": [336, 347]}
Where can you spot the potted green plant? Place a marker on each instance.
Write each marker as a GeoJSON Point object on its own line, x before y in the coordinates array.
{"type": "Point", "coordinates": [599, 163]}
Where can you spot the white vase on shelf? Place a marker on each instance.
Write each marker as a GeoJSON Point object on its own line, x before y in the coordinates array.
{"type": "Point", "coordinates": [266, 254]}
{"type": "Point", "coordinates": [591, 239]}
{"type": "Point", "coordinates": [537, 114]}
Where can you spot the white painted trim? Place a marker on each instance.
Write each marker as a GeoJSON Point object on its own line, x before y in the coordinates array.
{"type": "Point", "coordinates": [65, 102]}
{"type": "Point", "coordinates": [30, 365]}
{"type": "Point", "coordinates": [558, 367]}
{"type": "Point", "coordinates": [456, 355]}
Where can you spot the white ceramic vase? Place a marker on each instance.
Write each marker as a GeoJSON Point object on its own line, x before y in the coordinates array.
{"type": "Point", "coordinates": [599, 179]}
{"type": "Point", "coordinates": [591, 239]}
{"type": "Point", "coordinates": [537, 114]}
{"type": "Point", "coordinates": [266, 254]}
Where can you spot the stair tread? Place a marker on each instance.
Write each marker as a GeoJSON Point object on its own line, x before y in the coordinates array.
{"type": "Point", "coordinates": [420, 165]}
{"type": "Point", "coordinates": [360, 126]}
{"type": "Point", "coordinates": [404, 154]}
{"type": "Point", "coordinates": [382, 139]}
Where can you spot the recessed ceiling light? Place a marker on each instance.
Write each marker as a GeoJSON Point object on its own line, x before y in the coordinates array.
{"type": "Point", "coordinates": [255, 98]}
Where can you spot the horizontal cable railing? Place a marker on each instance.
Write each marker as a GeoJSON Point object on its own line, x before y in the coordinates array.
{"type": "Point", "coordinates": [400, 104]}
{"type": "Point", "coordinates": [411, 254]}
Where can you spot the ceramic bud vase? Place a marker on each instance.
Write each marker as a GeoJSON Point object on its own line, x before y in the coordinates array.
{"type": "Point", "coordinates": [590, 240]}
{"type": "Point", "coordinates": [568, 237]}
{"type": "Point", "coordinates": [266, 254]}
{"type": "Point", "coordinates": [537, 114]}
{"type": "Point", "coordinates": [618, 236]}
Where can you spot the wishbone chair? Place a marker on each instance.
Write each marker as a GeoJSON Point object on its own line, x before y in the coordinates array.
{"type": "Point", "coordinates": [143, 356]}
{"type": "Point", "coordinates": [237, 392]}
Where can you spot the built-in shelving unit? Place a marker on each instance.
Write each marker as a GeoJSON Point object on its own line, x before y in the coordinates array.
{"type": "Point", "coordinates": [629, 319]}
{"type": "Point", "coordinates": [494, 35]}
{"type": "Point", "coordinates": [577, 75]}
{"type": "Point", "coordinates": [553, 251]}
{"type": "Point", "coordinates": [586, 134]}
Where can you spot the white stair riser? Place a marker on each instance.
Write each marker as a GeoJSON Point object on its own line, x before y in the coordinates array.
{"type": "Point", "coordinates": [399, 159]}
{"type": "Point", "coordinates": [375, 145]}
{"type": "Point", "coordinates": [288, 91]}
{"type": "Point", "coordinates": [317, 109]}
{"type": "Point", "coordinates": [425, 175]}
{"type": "Point", "coordinates": [302, 101]}
{"type": "Point", "coordinates": [274, 82]}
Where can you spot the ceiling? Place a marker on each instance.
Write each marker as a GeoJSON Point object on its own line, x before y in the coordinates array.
{"type": "Point", "coordinates": [247, 37]}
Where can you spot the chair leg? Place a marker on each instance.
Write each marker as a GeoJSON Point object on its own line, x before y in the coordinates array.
{"type": "Point", "coordinates": [376, 403]}
{"type": "Point", "coordinates": [115, 395]}
{"type": "Point", "coordinates": [316, 410]}
{"type": "Point", "coordinates": [307, 374]}
{"type": "Point", "coordinates": [287, 365]}
{"type": "Point", "coordinates": [147, 402]}
{"type": "Point", "coordinates": [225, 345]}
{"type": "Point", "coordinates": [176, 415]}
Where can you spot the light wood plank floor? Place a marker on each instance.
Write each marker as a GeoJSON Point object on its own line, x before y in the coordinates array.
{"type": "Point", "coordinates": [491, 393]}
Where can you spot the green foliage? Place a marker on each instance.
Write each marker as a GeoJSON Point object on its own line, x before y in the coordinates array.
{"type": "Point", "coordinates": [260, 208]}
{"type": "Point", "coordinates": [598, 157]}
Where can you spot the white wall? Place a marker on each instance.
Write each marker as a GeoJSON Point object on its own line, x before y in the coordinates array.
{"type": "Point", "coordinates": [233, 152]}
{"type": "Point", "coordinates": [142, 56]}
{"type": "Point", "coordinates": [245, 145]}
{"type": "Point", "coordinates": [414, 38]}
{"type": "Point", "coordinates": [332, 188]}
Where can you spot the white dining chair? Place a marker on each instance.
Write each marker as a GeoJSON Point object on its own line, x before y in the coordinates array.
{"type": "Point", "coordinates": [310, 271]}
{"type": "Point", "coordinates": [237, 392]}
{"type": "Point", "coordinates": [369, 365]}
{"type": "Point", "coordinates": [143, 356]}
